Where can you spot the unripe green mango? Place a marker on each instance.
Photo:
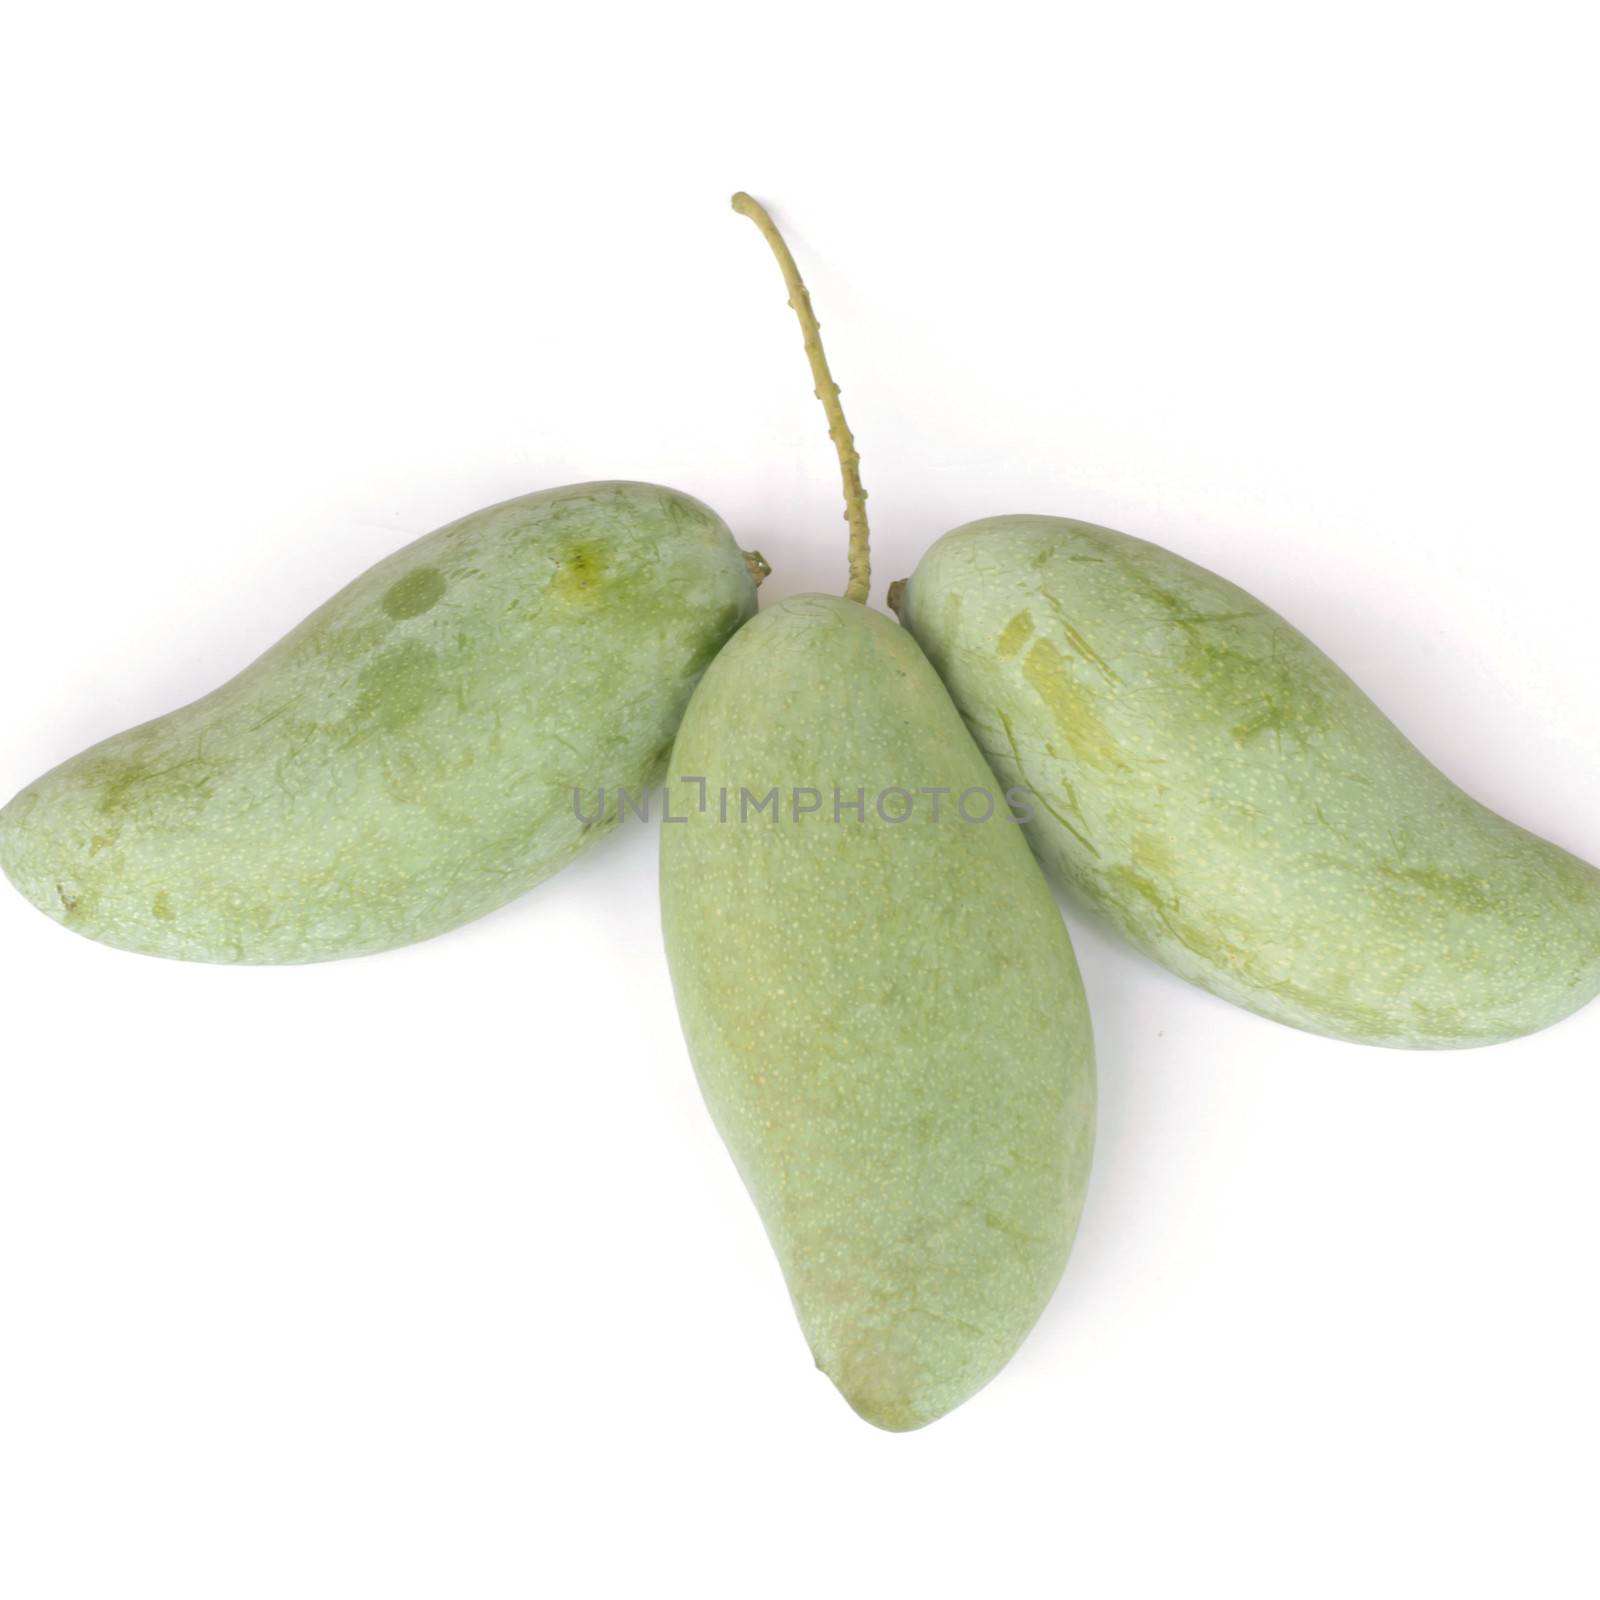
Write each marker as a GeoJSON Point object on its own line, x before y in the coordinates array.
{"type": "Point", "coordinates": [1214, 784]}
{"type": "Point", "coordinates": [886, 1017]}
{"type": "Point", "coordinates": [406, 759]}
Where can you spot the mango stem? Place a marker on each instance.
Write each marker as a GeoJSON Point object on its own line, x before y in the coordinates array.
{"type": "Point", "coordinates": [827, 391]}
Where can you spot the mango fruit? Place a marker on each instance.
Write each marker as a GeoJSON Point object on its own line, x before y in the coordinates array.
{"type": "Point", "coordinates": [885, 1014]}
{"type": "Point", "coordinates": [1205, 777]}
{"type": "Point", "coordinates": [879, 996]}
{"type": "Point", "coordinates": [407, 758]}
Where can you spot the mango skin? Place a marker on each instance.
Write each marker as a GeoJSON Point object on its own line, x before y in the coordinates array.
{"type": "Point", "coordinates": [886, 1019]}
{"type": "Point", "coordinates": [404, 760]}
{"type": "Point", "coordinates": [1221, 791]}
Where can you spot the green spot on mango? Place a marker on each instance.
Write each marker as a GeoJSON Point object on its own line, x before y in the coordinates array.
{"type": "Point", "coordinates": [580, 575]}
{"type": "Point", "coordinates": [1072, 705]}
{"type": "Point", "coordinates": [413, 594]}
{"type": "Point", "coordinates": [1015, 634]}
{"type": "Point", "coordinates": [397, 688]}
{"type": "Point", "coordinates": [133, 782]}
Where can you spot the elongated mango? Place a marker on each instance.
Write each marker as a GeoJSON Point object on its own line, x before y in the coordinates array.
{"type": "Point", "coordinates": [885, 1015]}
{"type": "Point", "coordinates": [406, 759]}
{"type": "Point", "coordinates": [878, 994]}
{"type": "Point", "coordinates": [1217, 787]}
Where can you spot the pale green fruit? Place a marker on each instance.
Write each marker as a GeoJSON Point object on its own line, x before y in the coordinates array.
{"type": "Point", "coordinates": [1216, 786]}
{"type": "Point", "coordinates": [406, 759]}
{"type": "Point", "coordinates": [886, 1017]}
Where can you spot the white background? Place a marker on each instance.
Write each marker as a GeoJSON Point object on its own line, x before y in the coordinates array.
{"type": "Point", "coordinates": [426, 1275]}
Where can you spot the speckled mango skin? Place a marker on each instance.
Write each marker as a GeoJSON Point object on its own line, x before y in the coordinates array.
{"type": "Point", "coordinates": [405, 759]}
{"type": "Point", "coordinates": [1217, 787]}
{"type": "Point", "coordinates": [886, 1019]}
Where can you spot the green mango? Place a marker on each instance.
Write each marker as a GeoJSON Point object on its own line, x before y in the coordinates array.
{"type": "Point", "coordinates": [1208, 779]}
{"type": "Point", "coordinates": [885, 1016]}
{"type": "Point", "coordinates": [879, 996]}
{"type": "Point", "coordinates": [407, 758]}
